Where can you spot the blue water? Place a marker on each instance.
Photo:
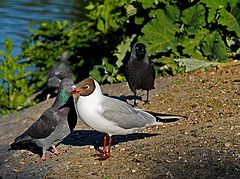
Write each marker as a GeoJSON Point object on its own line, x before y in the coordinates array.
{"type": "Point", "coordinates": [15, 15]}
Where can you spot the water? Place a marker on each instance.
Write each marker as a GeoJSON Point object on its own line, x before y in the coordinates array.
{"type": "Point", "coordinates": [15, 15]}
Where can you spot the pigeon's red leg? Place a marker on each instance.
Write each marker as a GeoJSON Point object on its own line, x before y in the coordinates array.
{"type": "Point", "coordinates": [54, 150]}
{"type": "Point", "coordinates": [43, 157]}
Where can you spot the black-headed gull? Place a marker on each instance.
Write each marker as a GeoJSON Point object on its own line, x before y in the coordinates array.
{"type": "Point", "coordinates": [109, 115]}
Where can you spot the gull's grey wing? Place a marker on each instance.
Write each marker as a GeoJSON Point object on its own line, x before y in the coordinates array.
{"type": "Point", "coordinates": [124, 115]}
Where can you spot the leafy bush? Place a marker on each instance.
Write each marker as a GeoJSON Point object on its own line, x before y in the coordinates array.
{"type": "Point", "coordinates": [171, 29]}
{"type": "Point", "coordinates": [14, 87]}
{"type": "Point", "coordinates": [180, 35]}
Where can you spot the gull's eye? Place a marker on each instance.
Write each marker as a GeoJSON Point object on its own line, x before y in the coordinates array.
{"type": "Point", "coordinates": [86, 87]}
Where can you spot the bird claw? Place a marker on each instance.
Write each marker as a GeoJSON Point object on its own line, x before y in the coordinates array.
{"type": "Point", "coordinates": [56, 152]}
{"type": "Point", "coordinates": [147, 102]}
{"type": "Point", "coordinates": [42, 158]}
{"type": "Point", "coordinates": [103, 156]}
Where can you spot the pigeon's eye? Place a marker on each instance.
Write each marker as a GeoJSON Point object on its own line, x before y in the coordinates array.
{"type": "Point", "coordinates": [67, 84]}
{"type": "Point", "coordinates": [86, 87]}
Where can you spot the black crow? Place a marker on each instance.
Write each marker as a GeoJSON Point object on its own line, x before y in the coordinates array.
{"type": "Point", "coordinates": [140, 72]}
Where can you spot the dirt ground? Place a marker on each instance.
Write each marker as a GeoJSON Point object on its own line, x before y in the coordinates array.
{"type": "Point", "coordinates": [205, 145]}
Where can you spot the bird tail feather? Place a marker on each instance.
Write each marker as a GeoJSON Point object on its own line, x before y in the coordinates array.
{"type": "Point", "coordinates": [166, 118]}
{"type": "Point", "coordinates": [20, 141]}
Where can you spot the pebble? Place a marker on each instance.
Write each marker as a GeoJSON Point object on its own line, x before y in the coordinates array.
{"type": "Point", "coordinates": [91, 147]}
{"type": "Point", "coordinates": [134, 171]}
{"type": "Point", "coordinates": [228, 144]}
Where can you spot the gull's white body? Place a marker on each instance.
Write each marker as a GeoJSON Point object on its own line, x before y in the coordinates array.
{"type": "Point", "coordinates": [111, 116]}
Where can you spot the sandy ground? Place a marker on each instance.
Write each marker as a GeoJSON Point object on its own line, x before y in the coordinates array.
{"type": "Point", "coordinates": [205, 145]}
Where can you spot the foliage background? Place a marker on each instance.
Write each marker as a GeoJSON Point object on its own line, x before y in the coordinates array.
{"type": "Point", "coordinates": [180, 35]}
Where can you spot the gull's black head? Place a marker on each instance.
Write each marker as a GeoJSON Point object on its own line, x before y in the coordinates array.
{"type": "Point", "coordinates": [140, 50]}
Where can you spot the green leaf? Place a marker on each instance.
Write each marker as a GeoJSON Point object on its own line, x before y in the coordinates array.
{"type": "Point", "coordinates": [95, 73]}
{"type": "Point", "coordinates": [213, 6]}
{"type": "Point", "coordinates": [213, 47]}
{"type": "Point", "coordinates": [160, 31]}
{"type": "Point", "coordinates": [131, 10]}
{"type": "Point", "coordinates": [147, 3]}
{"type": "Point", "coordinates": [194, 18]}
{"type": "Point", "coordinates": [191, 45]}
{"type": "Point", "coordinates": [228, 20]}
{"type": "Point", "coordinates": [108, 67]}
{"type": "Point", "coordinates": [100, 25]}
{"type": "Point", "coordinates": [90, 7]}
{"type": "Point", "coordinates": [122, 49]}
{"type": "Point", "coordinates": [139, 20]}
{"type": "Point", "coordinates": [235, 9]}
{"type": "Point", "coordinates": [8, 45]}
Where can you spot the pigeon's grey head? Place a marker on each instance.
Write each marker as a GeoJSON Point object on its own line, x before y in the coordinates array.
{"type": "Point", "coordinates": [67, 86]}
{"type": "Point", "coordinates": [140, 50]}
{"type": "Point", "coordinates": [65, 56]}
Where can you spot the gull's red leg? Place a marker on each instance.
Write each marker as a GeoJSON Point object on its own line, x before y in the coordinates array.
{"type": "Point", "coordinates": [104, 155]}
{"type": "Point", "coordinates": [109, 146]}
{"type": "Point", "coordinates": [103, 151]}
{"type": "Point", "coordinates": [104, 144]}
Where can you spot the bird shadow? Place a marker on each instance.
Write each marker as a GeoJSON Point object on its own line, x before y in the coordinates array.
{"type": "Point", "coordinates": [30, 146]}
{"type": "Point", "coordinates": [83, 138]}
{"type": "Point", "coordinates": [94, 138]}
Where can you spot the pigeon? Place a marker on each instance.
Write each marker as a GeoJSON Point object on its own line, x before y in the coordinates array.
{"type": "Point", "coordinates": [58, 73]}
{"type": "Point", "coordinates": [54, 124]}
{"type": "Point", "coordinates": [109, 115]}
{"type": "Point", "coordinates": [140, 72]}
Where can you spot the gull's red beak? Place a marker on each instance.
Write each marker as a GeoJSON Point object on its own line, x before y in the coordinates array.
{"type": "Point", "coordinates": [74, 92]}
